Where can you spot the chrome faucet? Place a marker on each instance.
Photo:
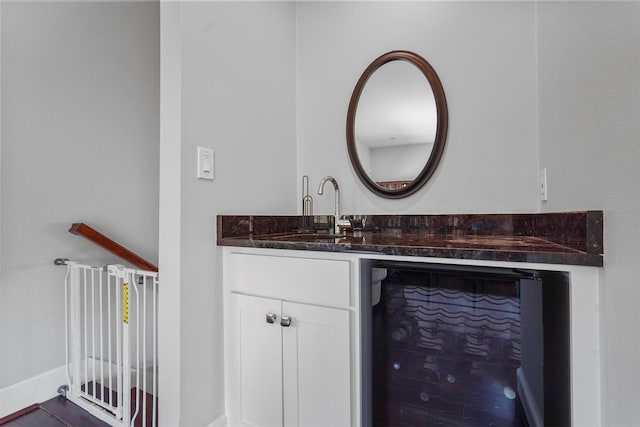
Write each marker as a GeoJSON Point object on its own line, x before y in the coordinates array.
{"type": "Point", "coordinates": [337, 203]}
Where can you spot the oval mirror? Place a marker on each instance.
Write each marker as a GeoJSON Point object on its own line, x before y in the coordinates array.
{"type": "Point", "coordinates": [397, 124]}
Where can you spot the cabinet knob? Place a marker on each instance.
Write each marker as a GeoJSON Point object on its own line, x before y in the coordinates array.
{"type": "Point", "coordinates": [285, 321]}
{"type": "Point", "coordinates": [271, 318]}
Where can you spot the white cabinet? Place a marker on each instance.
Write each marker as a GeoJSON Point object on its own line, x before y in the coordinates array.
{"type": "Point", "coordinates": [255, 362]}
{"type": "Point", "coordinates": [289, 362]}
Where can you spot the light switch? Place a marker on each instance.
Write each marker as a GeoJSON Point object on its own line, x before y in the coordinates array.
{"type": "Point", "coordinates": [205, 163]}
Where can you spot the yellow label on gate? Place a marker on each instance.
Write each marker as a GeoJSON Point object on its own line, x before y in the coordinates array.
{"type": "Point", "coordinates": [125, 302]}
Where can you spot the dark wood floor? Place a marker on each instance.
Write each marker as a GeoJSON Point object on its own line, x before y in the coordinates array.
{"type": "Point", "coordinates": [56, 412]}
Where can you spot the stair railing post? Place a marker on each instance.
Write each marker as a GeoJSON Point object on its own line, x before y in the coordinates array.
{"type": "Point", "coordinates": [126, 351]}
{"type": "Point", "coordinates": [74, 330]}
{"type": "Point", "coordinates": [123, 379]}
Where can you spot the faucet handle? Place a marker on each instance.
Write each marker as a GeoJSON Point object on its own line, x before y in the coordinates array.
{"type": "Point", "coordinates": [358, 223]}
{"type": "Point", "coordinates": [342, 224]}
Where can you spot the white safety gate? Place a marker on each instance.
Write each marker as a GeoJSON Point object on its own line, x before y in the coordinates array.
{"type": "Point", "coordinates": [111, 343]}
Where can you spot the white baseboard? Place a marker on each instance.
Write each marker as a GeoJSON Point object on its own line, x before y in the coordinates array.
{"type": "Point", "coordinates": [33, 390]}
{"type": "Point", "coordinates": [220, 422]}
{"type": "Point", "coordinates": [531, 409]}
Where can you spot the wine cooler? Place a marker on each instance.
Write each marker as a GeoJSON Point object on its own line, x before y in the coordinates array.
{"type": "Point", "coordinates": [464, 346]}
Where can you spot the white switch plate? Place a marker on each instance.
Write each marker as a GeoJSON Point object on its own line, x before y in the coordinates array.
{"type": "Point", "coordinates": [205, 163]}
{"type": "Point", "coordinates": [544, 191]}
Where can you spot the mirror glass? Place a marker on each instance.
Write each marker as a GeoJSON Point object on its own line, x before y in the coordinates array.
{"type": "Point", "coordinates": [396, 125]}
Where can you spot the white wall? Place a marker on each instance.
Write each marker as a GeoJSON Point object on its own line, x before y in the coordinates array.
{"type": "Point", "coordinates": [564, 73]}
{"type": "Point", "coordinates": [237, 83]}
{"type": "Point", "coordinates": [487, 56]}
{"type": "Point", "coordinates": [170, 209]}
{"type": "Point", "coordinates": [484, 54]}
{"type": "Point", "coordinates": [589, 105]}
{"type": "Point", "coordinates": [80, 96]}
{"type": "Point", "coordinates": [267, 85]}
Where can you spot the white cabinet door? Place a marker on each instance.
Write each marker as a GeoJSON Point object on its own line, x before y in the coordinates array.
{"type": "Point", "coordinates": [256, 362]}
{"type": "Point", "coordinates": [316, 366]}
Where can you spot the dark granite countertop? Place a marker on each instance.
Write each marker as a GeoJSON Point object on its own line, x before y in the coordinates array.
{"type": "Point", "coordinates": [574, 238]}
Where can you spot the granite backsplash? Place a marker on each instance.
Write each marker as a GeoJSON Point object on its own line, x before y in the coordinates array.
{"type": "Point", "coordinates": [574, 236]}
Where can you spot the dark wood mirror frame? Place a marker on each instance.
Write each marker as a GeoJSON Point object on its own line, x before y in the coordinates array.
{"type": "Point", "coordinates": [441, 124]}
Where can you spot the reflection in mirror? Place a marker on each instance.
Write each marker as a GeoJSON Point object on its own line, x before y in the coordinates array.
{"type": "Point", "coordinates": [397, 124]}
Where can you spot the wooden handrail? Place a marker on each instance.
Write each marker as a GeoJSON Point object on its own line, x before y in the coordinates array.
{"type": "Point", "coordinates": [82, 229]}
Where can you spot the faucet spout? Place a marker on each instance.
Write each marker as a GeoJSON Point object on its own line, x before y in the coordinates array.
{"type": "Point", "coordinates": [336, 190]}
